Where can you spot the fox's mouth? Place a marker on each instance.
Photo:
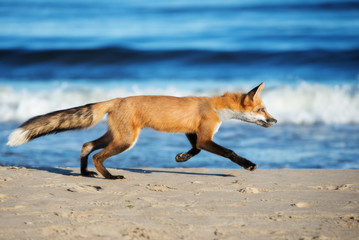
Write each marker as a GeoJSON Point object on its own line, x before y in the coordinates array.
{"type": "Point", "coordinates": [266, 124]}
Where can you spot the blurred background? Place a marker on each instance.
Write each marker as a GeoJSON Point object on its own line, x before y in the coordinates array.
{"type": "Point", "coordinates": [57, 54]}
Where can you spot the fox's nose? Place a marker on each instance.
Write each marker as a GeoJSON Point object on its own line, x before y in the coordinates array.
{"type": "Point", "coordinates": [271, 121]}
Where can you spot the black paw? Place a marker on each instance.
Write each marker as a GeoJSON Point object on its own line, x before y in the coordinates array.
{"type": "Point", "coordinates": [112, 177]}
{"type": "Point", "coordinates": [89, 174]}
{"type": "Point", "coordinates": [251, 167]}
{"type": "Point", "coordinates": [248, 165]}
{"type": "Point", "coordinates": [182, 157]}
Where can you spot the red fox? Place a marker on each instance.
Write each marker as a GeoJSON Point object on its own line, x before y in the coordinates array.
{"type": "Point", "coordinates": [198, 117]}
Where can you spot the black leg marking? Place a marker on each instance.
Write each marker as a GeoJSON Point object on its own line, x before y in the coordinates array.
{"type": "Point", "coordinates": [213, 147]}
{"type": "Point", "coordinates": [88, 148]}
{"type": "Point", "coordinates": [182, 157]}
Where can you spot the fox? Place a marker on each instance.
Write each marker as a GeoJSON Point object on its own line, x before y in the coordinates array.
{"type": "Point", "coordinates": [198, 117]}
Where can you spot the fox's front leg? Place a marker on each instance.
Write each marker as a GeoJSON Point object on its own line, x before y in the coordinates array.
{"type": "Point", "coordinates": [204, 141]}
{"type": "Point", "coordinates": [213, 147]}
{"type": "Point", "coordinates": [182, 157]}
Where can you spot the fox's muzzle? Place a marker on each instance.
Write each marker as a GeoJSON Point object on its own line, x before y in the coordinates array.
{"type": "Point", "coordinates": [267, 123]}
{"type": "Point", "coordinates": [270, 122]}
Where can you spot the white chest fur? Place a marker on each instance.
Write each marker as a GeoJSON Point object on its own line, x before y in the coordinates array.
{"type": "Point", "coordinates": [217, 128]}
{"type": "Point", "coordinates": [226, 114]}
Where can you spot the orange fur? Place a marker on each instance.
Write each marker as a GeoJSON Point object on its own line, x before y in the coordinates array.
{"type": "Point", "coordinates": [198, 117]}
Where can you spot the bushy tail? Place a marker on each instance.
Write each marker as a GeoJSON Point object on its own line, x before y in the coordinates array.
{"type": "Point", "coordinates": [54, 122]}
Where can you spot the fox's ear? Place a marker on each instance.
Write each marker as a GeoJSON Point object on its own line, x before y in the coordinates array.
{"type": "Point", "coordinates": [255, 92]}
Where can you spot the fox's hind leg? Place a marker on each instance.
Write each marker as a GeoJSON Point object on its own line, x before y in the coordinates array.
{"type": "Point", "coordinates": [182, 157]}
{"type": "Point", "coordinates": [89, 147]}
{"type": "Point", "coordinates": [122, 140]}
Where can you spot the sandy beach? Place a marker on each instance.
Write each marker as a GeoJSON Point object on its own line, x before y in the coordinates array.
{"type": "Point", "coordinates": [57, 203]}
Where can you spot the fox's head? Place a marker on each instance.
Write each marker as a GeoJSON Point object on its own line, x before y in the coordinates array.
{"type": "Point", "coordinates": [247, 107]}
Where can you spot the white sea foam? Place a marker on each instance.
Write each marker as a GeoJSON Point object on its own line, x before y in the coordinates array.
{"type": "Point", "coordinates": [314, 103]}
{"type": "Point", "coordinates": [303, 104]}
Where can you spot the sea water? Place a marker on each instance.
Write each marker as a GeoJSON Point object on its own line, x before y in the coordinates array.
{"type": "Point", "coordinates": [61, 54]}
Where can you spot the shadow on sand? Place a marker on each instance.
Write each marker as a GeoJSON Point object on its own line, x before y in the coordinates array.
{"type": "Point", "coordinates": [174, 171]}
{"type": "Point", "coordinates": [71, 172]}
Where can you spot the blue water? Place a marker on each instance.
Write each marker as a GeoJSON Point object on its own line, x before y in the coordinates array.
{"type": "Point", "coordinates": [60, 54]}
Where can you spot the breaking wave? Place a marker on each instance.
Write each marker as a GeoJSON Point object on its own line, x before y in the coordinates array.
{"type": "Point", "coordinates": [302, 104]}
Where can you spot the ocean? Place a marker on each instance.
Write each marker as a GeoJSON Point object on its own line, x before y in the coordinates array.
{"type": "Point", "coordinates": [61, 54]}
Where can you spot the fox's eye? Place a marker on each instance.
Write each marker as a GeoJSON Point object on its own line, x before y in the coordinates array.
{"type": "Point", "coordinates": [260, 110]}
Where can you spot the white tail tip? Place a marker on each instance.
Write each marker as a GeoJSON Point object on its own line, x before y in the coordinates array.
{"type": "Point", "coordinates": [17, 137]}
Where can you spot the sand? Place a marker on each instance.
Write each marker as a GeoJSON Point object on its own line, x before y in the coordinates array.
{"type": "Point", "coordinates": [57, 203]}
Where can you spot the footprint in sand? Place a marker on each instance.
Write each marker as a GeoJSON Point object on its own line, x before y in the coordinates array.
{"type": "Point", "coordinates": [280, 217]}
{"type": "Point", "coordinates": [251, 190]}
{"type": "Point", "coordinates": [302, 205]}
{"type": "Point", "coordinates": [335, 187]}
{"type": "Point", "coordinates": [352, 219]}
{"type": "Point", "coordinates": [159, 187]}
{"type": "Point", "coordinates": [137, 233]}
{"type": "Point", "coordinates": [85, 188]}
